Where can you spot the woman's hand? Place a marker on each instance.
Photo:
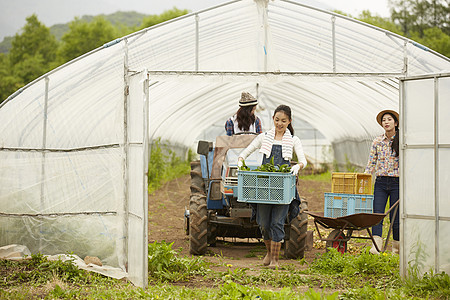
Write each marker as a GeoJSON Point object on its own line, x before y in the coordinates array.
{"type": "Point", "coordinates": [240, 162]}
{"type": "Point", "coordinates": [295, 169]}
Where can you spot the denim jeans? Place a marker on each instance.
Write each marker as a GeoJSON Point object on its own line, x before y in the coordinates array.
{"type": "Point", "coordinates": [386, 187]}
{"type": "Point", "coordinates": [271, 218]}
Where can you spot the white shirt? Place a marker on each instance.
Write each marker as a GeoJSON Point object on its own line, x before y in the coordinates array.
{"type": "Point", "coordinates": [257, 142]}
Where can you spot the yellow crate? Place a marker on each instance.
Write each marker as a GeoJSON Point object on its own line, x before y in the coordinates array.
{"type": "Point", "coordinates": [351, 183]}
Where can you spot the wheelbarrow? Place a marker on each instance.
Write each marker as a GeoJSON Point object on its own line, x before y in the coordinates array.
{"type": "Point", "coordinates": [344, 227]}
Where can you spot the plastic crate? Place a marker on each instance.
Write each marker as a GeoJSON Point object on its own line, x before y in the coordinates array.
{"type": "Point", "coordinates": [351, 183]}
{"type": "Point", "coordinates": [339, 205]}
{"type": "Point", "coordinates": [265, 187]}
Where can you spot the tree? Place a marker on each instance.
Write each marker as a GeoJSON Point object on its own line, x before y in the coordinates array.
{"type": "Point", "coordinates": [418, 15]}
{"type": "Point", "coordinates": [9, 82]}
{"type": "Point", "coordinates": [434, 38]}
{"type": "Point", "coordinates": [83, 37]}
{"type": "Point", "coordinates": [378, 21]}
{"type": "Point", "coordinates": [165, 16]}
{"type": "Point", "coordinates": [35, 39]}
{"type": "Point", "coordinates": [31, 55]}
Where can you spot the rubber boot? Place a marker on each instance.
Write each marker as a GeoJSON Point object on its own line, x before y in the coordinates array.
{"type": "Point", "coordinates": [379, 241]}
{"type": "Point", "coordinates": [275, 254]}
{"type": "Point", "coordinates": [395, 247]}
{"type": "Point", "coordinates": [266, 260]}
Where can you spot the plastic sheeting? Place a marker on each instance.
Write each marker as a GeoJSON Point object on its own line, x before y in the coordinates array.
{"type": "Point", "coordinates": [21, 252]}
{"type": "Point", "coordinates": [425, 192]}
{"type": "Point", "coordinates": [73, 142]}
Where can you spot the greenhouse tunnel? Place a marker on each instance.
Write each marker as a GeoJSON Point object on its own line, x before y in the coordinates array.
{"type": "Point", "coordinates": [74, 142]}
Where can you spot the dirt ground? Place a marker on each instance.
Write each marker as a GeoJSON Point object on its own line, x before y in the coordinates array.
{"type": "Point", "coordinates": [166, 223]}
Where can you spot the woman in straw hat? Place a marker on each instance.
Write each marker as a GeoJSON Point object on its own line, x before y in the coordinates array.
{"type": "Point", "coordinates": [245, 119]}
{"type": "Point", "coordinates": [383, 161]}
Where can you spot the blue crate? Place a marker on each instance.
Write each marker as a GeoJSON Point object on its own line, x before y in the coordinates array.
{"type": "Point", "coordinates": [266, 187]}
{"type": "Point", "coordinates": [339, 205]}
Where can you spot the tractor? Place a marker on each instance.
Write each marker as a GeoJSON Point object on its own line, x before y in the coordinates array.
{"type": "Point", "coordinates": [214, 210]}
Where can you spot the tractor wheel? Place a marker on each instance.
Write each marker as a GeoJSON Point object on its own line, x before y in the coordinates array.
{"type": "Point", "coordinates": [197, 182]}
{"type": "Point", "coordinates": [337, 236]}
{"type": "Point", "coordinates": [198, 213]}
{"type": "Point", "coordinates": [295, 246]}
{"type": "Point", "coordinates": [198, 224]}
{"type": "Point", "coordinates": [212, 230]}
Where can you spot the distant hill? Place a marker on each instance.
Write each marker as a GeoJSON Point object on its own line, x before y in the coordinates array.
{"type": "Point", "coordinates": [128, 19]}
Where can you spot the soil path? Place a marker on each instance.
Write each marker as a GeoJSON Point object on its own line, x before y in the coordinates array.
{"type": "Point", "coordinates": [166, 223]}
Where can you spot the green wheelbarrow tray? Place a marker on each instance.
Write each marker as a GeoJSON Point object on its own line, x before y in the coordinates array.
{"type": "Point", "coordinates": [344, 226]}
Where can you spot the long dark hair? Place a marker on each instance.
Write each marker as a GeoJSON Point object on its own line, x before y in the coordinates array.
{"type": "Point", "coordinates": [396, 141]}
{"type": "Point", "coordinates": [286, 110]}
{"type": "Point", "coordinates": [245, 118]}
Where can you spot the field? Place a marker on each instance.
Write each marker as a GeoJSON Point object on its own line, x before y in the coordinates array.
{"type": "Point", "coordinates": [231, 270]}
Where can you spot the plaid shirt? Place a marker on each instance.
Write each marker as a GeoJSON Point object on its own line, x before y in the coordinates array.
{"type": "Point", "coordinates": [381, 158]}
{"type": "Point", "coordinates": [229, 126]}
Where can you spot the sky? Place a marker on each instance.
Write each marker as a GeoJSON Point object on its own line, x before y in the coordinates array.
{"type": "Point", "coordinates": [51, 12]}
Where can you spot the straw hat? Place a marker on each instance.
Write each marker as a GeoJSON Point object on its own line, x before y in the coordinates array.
{"type": "Point", "coordinates": [386, 111]}
{"type": "Point", "coordinates": [247, 100]}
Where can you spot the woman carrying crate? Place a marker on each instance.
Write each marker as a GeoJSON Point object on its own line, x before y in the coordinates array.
{"type": "Point", "coordinates": [279, 143]}
{"type": "Point", "coordinates": [383, 160]}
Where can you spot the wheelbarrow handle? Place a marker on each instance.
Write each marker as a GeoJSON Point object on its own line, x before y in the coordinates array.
{"type": "Point", "coordinates": [393, 206]}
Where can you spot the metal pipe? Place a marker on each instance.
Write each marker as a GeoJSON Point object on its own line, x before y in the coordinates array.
{"type": "Point", "coordinates": [333, 41]}
{"type": "Point", "coordinates": [125, 160]}
{"type": "Point", "coordinates": [402, 147]}
{"type": "Point", "coordinates": [436, 173]}
{"type": "Point", "coordinates": [44, 145]}
{"type": "Point", "coordinates": [145, 176]}
{"type": "Point", "coordinates": [197, 19]}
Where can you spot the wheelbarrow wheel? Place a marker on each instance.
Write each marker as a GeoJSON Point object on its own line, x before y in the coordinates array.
{"type": "Point", "coordinates": [336, 237]}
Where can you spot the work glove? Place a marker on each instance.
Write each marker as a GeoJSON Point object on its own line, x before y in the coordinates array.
{"type": "Point", "coordinates": [240, 163]}
{"type": "Point", "coordinates": [295, 169]}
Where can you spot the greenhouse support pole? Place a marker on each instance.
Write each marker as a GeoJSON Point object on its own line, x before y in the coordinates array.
{"type": "Point", "coordinates": [333, 41]}
{"type": "Point", "coordinates": [402, 148]}
{"type": "Point", "coordinates": [145, 179]}
{"type": "Point", "coordinates": [436, 172]}
{"type": "Point", "coordinates": [405, 58]}
{"type": "Point", "coordinates": [126, 147]}
{"type": "Point", "coordinates": [265, 25]}
{"type": "Point", "coordinates": [197, 19]}
{"type": "Point", "coordinates": [44, 146]}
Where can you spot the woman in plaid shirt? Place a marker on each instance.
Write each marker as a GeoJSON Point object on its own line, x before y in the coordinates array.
{"type": "Point", "coordinates": [383, 161]}
{"type": "Point", "coordinates": [244, 120]}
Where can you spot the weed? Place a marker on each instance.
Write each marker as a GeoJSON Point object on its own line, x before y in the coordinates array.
{"type": "Point", "coordinates": [39, 270]}
{"type": "Point", "coordinates": [165, 265]}
{"type": "Point", "coordinates": [430, 285]}
{"type": "Point", "coordinates": [164, 165]}
{"type": "Point", "coordinates": [322, 177]}
{"type": "Point", "coordinates": [333, 262]}
{"type": "Point", "coordinates": [231, 290]}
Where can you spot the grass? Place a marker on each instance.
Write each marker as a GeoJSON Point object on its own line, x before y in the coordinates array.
{"type": "Point", "coordinates": [165, 265]}
{"type": "Point", "coordinates": [164, 165]}
{"type": "Point", "coordinates": [336, 276]}
{"type": "Point", "coordinates": [322, 177]}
